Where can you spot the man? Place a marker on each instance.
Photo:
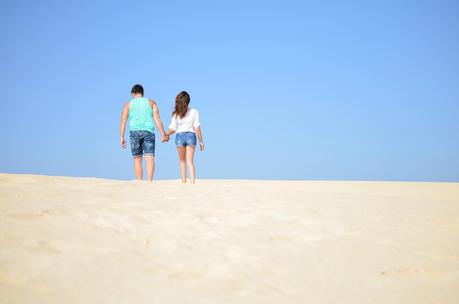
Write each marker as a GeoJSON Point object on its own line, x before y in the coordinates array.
{"type": "Point", "coordinates": [141, 112]}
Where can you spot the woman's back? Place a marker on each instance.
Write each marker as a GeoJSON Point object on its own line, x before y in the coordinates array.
{"type": "Point", "coordinates": [185, 122]}
{"type": "Point", "coordinates": [188, 123]}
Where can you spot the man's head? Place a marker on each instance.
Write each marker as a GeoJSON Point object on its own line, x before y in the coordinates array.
{"type": "Point", "coordinates": [137, 90]}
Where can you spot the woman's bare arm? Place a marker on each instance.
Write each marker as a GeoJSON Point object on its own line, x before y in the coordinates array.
{"type": "Point", "coordinates": [169, 132]}
{"type": "Point", "coordinates": [199, 134]}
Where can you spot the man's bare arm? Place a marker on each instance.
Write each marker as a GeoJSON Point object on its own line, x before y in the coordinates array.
{"type": "Point", "coordinates": [157, 118]}
{"type": "Point", "coordinates": [124, 117]}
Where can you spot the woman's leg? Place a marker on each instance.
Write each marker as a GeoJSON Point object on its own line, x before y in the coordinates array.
{"type": "Point", "coordinates": [181, 154]}
{"type": "Point", "coordinates": [190, 161]}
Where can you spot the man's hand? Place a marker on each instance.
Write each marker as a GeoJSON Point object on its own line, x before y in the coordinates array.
{"type": "Point", "coordinates": [165, 138]}
{"type": "Point", "coordinates": [201, 146]}
{"type": "Point", "coordinates": [123, 143]}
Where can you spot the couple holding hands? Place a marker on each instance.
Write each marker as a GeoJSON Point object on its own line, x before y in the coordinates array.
{"type": "Point", "coordinates": [141, 112]}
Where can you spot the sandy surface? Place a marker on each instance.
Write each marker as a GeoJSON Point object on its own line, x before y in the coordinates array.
{"type": "Point", "coordinates": [84, 240]}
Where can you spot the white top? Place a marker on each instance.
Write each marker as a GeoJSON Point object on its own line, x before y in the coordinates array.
{"type": "Point", "coordinates": [189, 123]}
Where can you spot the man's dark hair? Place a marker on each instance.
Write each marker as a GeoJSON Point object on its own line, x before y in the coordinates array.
{"type": "Point", "coordinates": [137, 89]}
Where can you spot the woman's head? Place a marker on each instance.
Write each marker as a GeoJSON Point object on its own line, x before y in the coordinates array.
{"type": "Point", "coordinates": [181, 104]}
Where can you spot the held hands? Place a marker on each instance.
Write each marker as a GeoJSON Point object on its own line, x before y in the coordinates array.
{"type": "Point", "coordinates": [165, 138]}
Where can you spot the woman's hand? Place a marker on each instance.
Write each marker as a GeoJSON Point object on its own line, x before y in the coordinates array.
{"type": "Point", "coordinates": [165, 138]}
{"type": "Point", "coordinates": [201, 146]}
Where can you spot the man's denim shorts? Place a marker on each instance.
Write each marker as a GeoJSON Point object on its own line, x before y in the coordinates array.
{"type": "Point", "coordinates": [185, 139]}
{"type": "Point", "coordinates": [142, 143]}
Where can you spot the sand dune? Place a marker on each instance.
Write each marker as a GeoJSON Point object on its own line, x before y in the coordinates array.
{"type": "Point", "coordinates": [86, 240]}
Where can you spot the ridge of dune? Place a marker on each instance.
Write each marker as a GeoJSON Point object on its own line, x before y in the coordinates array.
{"type": "Point", "coordinates": [89, 240]}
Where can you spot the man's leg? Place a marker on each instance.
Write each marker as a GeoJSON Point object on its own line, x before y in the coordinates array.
{"type": "Point", "coordinates": [136, 149]}
{"type": "Point", "coordinates": [150, 166]}
{"type": "Point", "coordinates": [138, 172]}
{"type": "Point", "coordinates": [148, 148]}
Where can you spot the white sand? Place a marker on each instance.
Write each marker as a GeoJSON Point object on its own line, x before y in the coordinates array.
{"type": "Point", "coordinates": [84, 240]}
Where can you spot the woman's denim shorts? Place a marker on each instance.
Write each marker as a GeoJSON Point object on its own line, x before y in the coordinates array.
{"type": "Point", "coordinates": [185, 139]}
{"type": "Point", "coordinates": [142, 143]}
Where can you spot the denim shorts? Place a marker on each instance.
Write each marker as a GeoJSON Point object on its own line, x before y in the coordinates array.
{"type": "Point", "coordinates": [142, 143]}
{"type": "Point", "coordinates": [185, 139]}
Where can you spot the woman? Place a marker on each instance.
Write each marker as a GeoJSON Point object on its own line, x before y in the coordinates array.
{"type": "Point", "coordinates": [185, 122]}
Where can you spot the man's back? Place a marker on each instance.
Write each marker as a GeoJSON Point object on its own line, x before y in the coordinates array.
{"type": "Point", "coordinates": [140, 114]}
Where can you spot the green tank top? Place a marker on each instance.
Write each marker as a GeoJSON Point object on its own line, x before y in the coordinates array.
{"type": "Point", "coordinates": [140, 115]}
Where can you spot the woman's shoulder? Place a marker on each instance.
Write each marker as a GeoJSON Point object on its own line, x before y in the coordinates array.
{"type": "Point", "coordinates": [193, 110]}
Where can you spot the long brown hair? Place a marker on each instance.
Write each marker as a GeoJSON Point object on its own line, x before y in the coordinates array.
{"type": "Point", "coordinates": [181, 104]}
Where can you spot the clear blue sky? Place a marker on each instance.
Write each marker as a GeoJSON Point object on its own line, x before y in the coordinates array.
{"type": "Point", "coordinates": [286, 89]}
